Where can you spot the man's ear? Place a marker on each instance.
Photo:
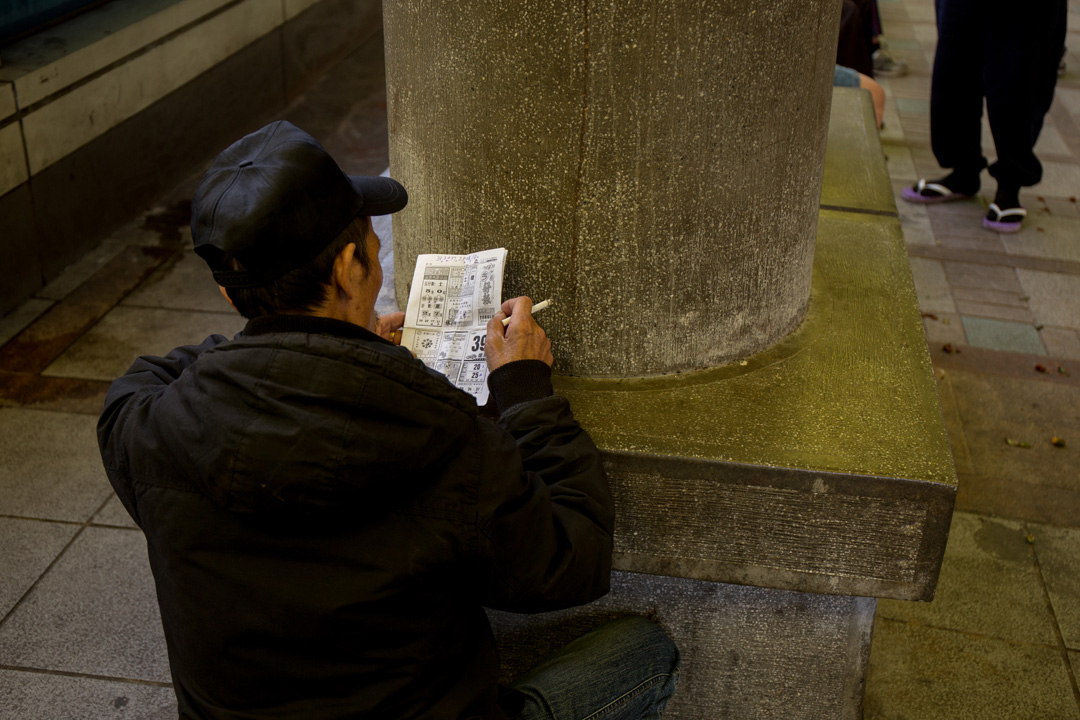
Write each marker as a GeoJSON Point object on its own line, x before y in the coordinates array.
{"type": "Point", "coordinates": [225, 294]}
{"type": "Point", "coordinates": [345, 267]}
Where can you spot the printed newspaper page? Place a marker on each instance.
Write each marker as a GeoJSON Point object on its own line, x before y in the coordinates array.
{"type": "Point", "coordinates": [451, 300]}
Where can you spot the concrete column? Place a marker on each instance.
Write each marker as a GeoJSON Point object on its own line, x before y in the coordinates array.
{"type": "Point", "coordinates": [654, 166]}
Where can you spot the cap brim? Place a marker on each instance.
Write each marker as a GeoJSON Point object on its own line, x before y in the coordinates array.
{"type": "Point", "coordinates": [379, 195]}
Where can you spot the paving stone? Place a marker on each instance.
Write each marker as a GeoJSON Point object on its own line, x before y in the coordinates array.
{"type": "Point", "coordinates": [1050, 142]}
{"type": "Point", "coordinates": [944, 328]}
{"type": "Point", "coordinates": [1047, 236]}
{"type": "Point", "coordinates": [899, 163]}
{"type": "Point", "coordinates": [1001, 335]}
{"type": "Point", "coordinates": [95, 612]}
{"type": "Point", "coordinates": [921, 14]}
{"type": "Point", "coordinates": [970, 239]}
{"type": "Point", "coordinates": [26, 549]}
{"type": "Point", "coordinates": [989, 585]}
{"type": "Point", "coordinates": [184, 283]}
{"type": "Point", "coordinates": [81, 270]}
{"type": "Point", "coordinates": [50, 467]}
{"type": "Point", "coordinates": [1070, 98]}
{"type": "Point", "coordinates": [126, 333]}
{"type": "Point", "coordinates": [995, 408]}
{"type": "Point", "coordinates": [931, 287]}
{"type": "Point", "coordinates": [13, 323]}
{"type": "Point", "coordinates": [892, 130]}
{"type": "Point", "coordinates": [41, 695]}
{"type": "Point", "coordinates": [925, 673]}
{"type": "Point", "coordinates": [1060, 179]}
{"type": "Point", "coordinates": [1054, 297]}
{"type": "Point", "coordinates": [987, 277]}
{"type": "Point", "coordinates": [954, 424]}
{"type": "Point", "coordinates": [992, 297]}
{"type": "Point", "coordinates": [1058, 550]}
{"type": "Point", "coordinates": [114, 514]}
{"type": "Point", "coordinates": [915, 223]}
{"type": "Point", "coordinates": [1061, 342]}
{"type": "Point", "coordinates": [1018, 341]}
{"type": "Point", "coordinates": [44, 339]}
{"type": "Point", "coordinates": [926, 33]}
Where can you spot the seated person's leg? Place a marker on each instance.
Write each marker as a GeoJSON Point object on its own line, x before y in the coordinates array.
{"type": "Point", "coordinates": [628, 668]}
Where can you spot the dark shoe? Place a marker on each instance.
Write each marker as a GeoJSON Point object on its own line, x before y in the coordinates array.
{"type": "Point", "coordinates": [886, 66]}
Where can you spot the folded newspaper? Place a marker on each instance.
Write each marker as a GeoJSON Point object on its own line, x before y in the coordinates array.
{"type": "Point", "coordinates": [451, 300]}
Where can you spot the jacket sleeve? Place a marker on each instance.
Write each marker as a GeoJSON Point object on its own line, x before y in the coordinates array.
{"type": "Point", "coordinates": [120, 421]}
{"type": "Point", "coordinates": [547, 513]}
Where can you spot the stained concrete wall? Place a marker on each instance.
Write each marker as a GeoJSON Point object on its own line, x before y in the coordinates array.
{"type": "Point", "coordinates": [104, 113]}
{"type": "Point", "coordinates": [653, 166]}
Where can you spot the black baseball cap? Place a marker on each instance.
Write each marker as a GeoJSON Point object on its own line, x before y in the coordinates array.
{"type": "Point", "coordinates": [274, 200]}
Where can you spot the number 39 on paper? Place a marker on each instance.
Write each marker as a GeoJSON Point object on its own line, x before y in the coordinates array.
{"type": "Point", "coordinates": [474, 347]}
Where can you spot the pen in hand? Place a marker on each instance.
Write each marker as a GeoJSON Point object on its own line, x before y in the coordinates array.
{"type": "Point", "coordinates": [535, 308]}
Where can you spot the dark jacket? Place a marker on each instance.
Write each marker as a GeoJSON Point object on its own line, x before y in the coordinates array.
{"type": "Point", "coordinates": [325, 518]}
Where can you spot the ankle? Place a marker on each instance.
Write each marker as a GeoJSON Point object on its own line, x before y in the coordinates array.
{"type": "Point", "coordinates": [958, 181]}
{"type": "Point", "coordinates": [1007, 197]}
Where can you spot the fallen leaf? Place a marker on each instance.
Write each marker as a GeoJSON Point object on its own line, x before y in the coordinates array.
{"type": "Point", "coordinates": [1025, 298]}
{"type": "Point", "coordinates": [1017, 443]}
{"type": "Point", "coordinates": [1063, 371]}
{"type": "Point", "coordinates": [1039, 229]}
{"type": "Point", "coordinates": [1031, 539]}
{"type": "Point", "coordinates": [1040, 368]}
{"type": "Point", "coordinates": [947, 347]}
{"type": "Point", "coordinates": [1039, 327]}
{"type": "Point", "coordinates": [1040, 199]}
{"type": "Point", "coordinates": [1072, 198]}
{"type": "Point", "coordinates": [932, 316]}
{"type": "Point", "coordinates": [1057, 442]}
{"type": "Point", "coordinates": [944, 321]}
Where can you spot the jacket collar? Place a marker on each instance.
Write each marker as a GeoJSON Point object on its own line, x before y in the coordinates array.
{"type": "Point", "coordinates": [266, 324]}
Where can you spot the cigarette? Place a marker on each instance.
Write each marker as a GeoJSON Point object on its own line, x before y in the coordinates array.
{"type": "Point", "coordinates": [535, 308]}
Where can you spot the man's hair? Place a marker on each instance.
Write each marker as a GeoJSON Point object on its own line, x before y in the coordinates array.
{"type": "Point", "coordinates": [305, 288]}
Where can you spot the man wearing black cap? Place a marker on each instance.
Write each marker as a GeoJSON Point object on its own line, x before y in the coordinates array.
{"type": "Point", "coordinates": [325, 517]}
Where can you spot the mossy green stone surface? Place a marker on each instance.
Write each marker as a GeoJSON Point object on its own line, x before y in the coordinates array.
{"type": "Point", "coordinates": [851, 390]}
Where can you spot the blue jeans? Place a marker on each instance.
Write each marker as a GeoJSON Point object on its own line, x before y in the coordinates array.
{"type": "Point", "coordinates": [627, 668]}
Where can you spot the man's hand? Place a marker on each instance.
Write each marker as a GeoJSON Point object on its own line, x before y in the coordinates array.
{"type": "Point", "coordinates": [389, 326]}
{"type": "Point", "coordinates": [522, 339]}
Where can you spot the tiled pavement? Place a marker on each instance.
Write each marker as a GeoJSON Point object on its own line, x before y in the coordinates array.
{"type": "Point", "coordinates": [79, 633]}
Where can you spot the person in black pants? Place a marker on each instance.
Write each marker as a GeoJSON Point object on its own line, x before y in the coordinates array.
{"type": "Point", "coordinates": [1008, 54]}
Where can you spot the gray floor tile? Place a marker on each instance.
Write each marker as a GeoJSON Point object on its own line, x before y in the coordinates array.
{"type": "Point", "coordinates": [185, 284]}
{"type": "Point", "coordinates": [994, 409]}
{"type": "Point", "coordinates": [95, 612]}
{"type": "Point", "coordinates": [954, 425]}
{"type": "Point", "coordinates": [1061, 342]}
{"type": "Point", "coordinates": [915, 223]}
{"type": "Point", "coordinates": [930, 674]}
{"type": "Point", "coordinates": [1058, 550]}
{"type": "Point", "coordinates": [114, 514]}
{"type": "Point", "coordinates": [989, 586]}
{"type": "Point", "coordinates": [1060, 179]}
{"type": "Point", "coordinates": [40, 695]}
{"type": "Point", "coordinates": [1050, 142]}
{"type": "Point", "coordinates": [1057, 239]}
{"type": "Point", "coordinates": [50, 467]}
{"type": "Point", "coordinates": [81, 270]}
{"type": "Point", "coordinates": [26, 549]}
{"type": "Point", "coordinates": [1001, 334]}
{"type": "Point", "coordinates": [124, 334]}
{"type": "Point", "coordinates": [1054, 297]}
{"type": "Point", "coordinates": [944, 328]}
{"type": "Point", "coordinates": [931, 287]}
{"type": "Point", "coordinates": [13, 323]}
